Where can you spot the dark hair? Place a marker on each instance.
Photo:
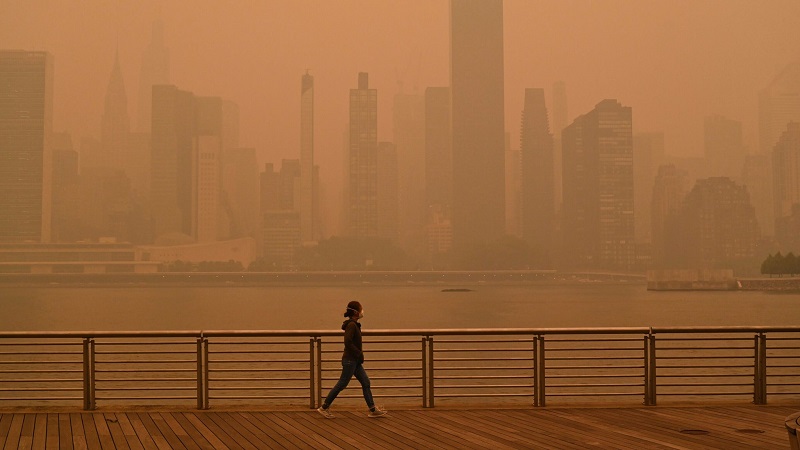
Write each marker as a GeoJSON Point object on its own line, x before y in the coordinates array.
{"type": "Point", "coordinates": [353, 308]}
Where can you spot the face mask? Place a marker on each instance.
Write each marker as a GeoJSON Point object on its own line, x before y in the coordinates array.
{"type": "Point", "coordinates": [361, 314]}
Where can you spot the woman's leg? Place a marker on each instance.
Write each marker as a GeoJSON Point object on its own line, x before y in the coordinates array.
{"type": "Point", "coordinates": [348, 367]}
{"type": "Point", "coordinates": [361, 376]}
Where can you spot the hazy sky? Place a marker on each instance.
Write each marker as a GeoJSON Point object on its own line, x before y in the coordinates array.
{"type": "Point", "coordinates": [673, 61]}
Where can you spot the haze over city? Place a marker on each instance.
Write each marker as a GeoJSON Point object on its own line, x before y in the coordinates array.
{"type": "Point", "coordinates": [669, 66]}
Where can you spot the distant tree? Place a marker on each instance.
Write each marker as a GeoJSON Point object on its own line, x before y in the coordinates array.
{"type": "Point", "coordinates": [790, 264]}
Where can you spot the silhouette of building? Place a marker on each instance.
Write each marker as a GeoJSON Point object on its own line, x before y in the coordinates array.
{"type": "Point", "coordinates": [115, 123]}
{"type": "Point", "coordinates": [667, 194]}
{"type": "Point", "coordinates": [778, 104]}
{"type": "Point", "coordinates": [241, 187]}
{"type": "Point", "coordinates": [362, 161]}
{"type": "Point", "coordinates": [186, 163]}
{"type": "Point", "coordinates": [387, 191]}
{"type": "Point", "coordinates": [786, 170]}
{"type": "Point", "coordinates": [538, 198]}
{"type": "Point", "coordinates": [757, 177]}
{"type": "Point", "coordinates": [598, 220]}
{"type": "Point", "coordinates": [408, 116]}
{"type": "Point", "coordinates": [723, 147]}
{"type": "Point", "coordinates": [478, 130]}
{"type": "Point", "coordinates": [154, 71]}
{"type": "Point", "coordinates": [438, 151]}
{"type": "Point", "coordinates": [718, 225]}
{"type": "Point", "coordinates": [787, 231]}
{"type": "Point", "coordinates": [280, 213]}
{"type": "Point", "coordinates": [513, 178]}
{"type": "Point", "coordinates": [26, 119]}
{"type": "Point", "coordinates": [648, 155]}
{"type": "Point", "coordinates": [308, 190]}
{"type": "Point", "coordinates": [560, 116]}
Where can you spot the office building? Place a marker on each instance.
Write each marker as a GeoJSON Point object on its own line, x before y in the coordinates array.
{"type": "Point", "coordinates": [362, 188]}
{"type": "Point", "coordinates": [648, 156]}
{"type": "Point", "coordinates": [26, 119]}
{"type": "Point", "coordinates": [408, 118]}
{"type": "Point", "coordinates": [560, 116]}
{"type": "Point", "coordinates": [723, 147]}
{"type": "Point", "coordinates": [598, 219]}
{"type": "Point", "coordinates": [538, 198]}
{"type": "Point", "coordinates": [778, 104]}
{"type": "Point", "coordinates": [667, 194]}
{"type": "Point", "coordinates": [154, 71]}
{"type": "Point", "coordinates": [388, 191]}
{"type": "Point", "coordinates": [478, 127]}
{"type": "Point", "coordinates": [438, 151]}
{"type": "Point", "coordinates": [307, 187]}
{"type": "Point", "coordinates": [786, 170]}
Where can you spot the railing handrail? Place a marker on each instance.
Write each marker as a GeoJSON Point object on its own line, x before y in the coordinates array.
{"type": "Point", "coordinates": [397, 332]}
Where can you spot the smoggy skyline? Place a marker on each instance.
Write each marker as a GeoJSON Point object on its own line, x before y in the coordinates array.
{"type": "Point", "coordinates": [673, 62]}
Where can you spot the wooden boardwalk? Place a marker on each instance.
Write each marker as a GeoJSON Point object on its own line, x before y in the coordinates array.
{"type": "Point", "coordinates": [723, 427]}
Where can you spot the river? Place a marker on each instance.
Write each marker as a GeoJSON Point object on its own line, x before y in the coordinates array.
{"type": "Point", "coordinates": [412, 306]}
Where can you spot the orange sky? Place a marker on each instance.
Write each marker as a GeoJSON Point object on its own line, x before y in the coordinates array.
{"type": "Point", "coordinates": [673, 61]}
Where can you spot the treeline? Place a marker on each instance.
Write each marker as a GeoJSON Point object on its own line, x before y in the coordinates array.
{"type": "Point", "coordinates": [779, 264]}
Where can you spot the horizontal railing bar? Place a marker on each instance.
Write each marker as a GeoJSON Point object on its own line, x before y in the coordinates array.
{"type": "Point", "coordinates": [41, 353]}
{"type": "Point", "coordinates": [258, 352]}
{"type": "Point", "coordinates": [783, 356]}
{"type": "Point", "coordinates": [144, 352]}
{"type": "Point", "coordinates": [705, 357]}
{"type": "Point", "coordinates": [250, 361]}
{"type": "Point", "coordinates": [482, 377]}
{"type": "Point", "coordinates": [262, 379]}
{"type": "Point", "coordinates": [43, 389]}
{"type": "Point", "coordinates": [259, 397]}
{"type": "Point", "coordinates": [783, 384]}
{"type": "Point", "coordinates": [514, 358]}
{"type": "Point", "coordinates": [477, 395]}
{"type": "Point", "coordinates": [784, 393]}
{"type": "Point", "coordinates": [256, 388]}
{"type": "Point", "coordinates": [621, 366]}
{"type": "Point", "coordinates": [483, 368]}
{"type": "Point", "coordinates": [40, 380]}
{"type": "Point", "coordinates": [589, 349]}
{"type": "Point", "coordinates": [481, 386]}
{"type": "Point", "coordinates": [493, 350]}
{"type": "Point", "coordinates": [371, 360]}
{"type": "Point", "coordinates": [238, 343]}
{"type": "Point", "coordinates": [665, 340]}
{"type": "Point", "coordinates": [171, 397]}
{"type": "Point", "coordinates": [591, 394]}
{"type": "Point", "coordinates": [41, 371]}
{"type": "Point", "coordinates": [27, 399]}
{"type": "Point", "coordinates": [42, 362]}
{"type": "Point", "coordinates": [146, 361]}
{"type": "Point", "coordinates": [147, 388]}
{"type": "Point", "coordinates": [665, 349]}
{"type": "Point", "coordinates": [687, 394]}
{"type": "Point", "coordinates": [260, 370]}
{"type": "Point", "coordinates": [640, 375]}
{"type": "Point", "coordinates": [29, 343]}
{"type": "Point", "coordinates": [483, 341]}
{"type": "Point", "coordinates": [705, 375]}
{"type": "Point", "coordinates": [145, 370]}
{"type": "Point", "coordinates": [702, 384]}
{"type": "Point", "coordinates": [593, 385]}
{"type": "Point", "coordinates": [372, 368]}
{"type": "Point", "coordinates": [620, 339]}
{"type": "Point", "coordinates": [592, 358]}
{"type": "Point", "coordinates": [417, 377]}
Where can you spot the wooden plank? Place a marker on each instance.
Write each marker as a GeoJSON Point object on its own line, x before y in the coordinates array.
{"type": "Point", "coordinates": [209, 423]}
{"type": "Point", "coordinates": [141, 432]}
{"type": "Point", "coordinates": [180, 432]}
{"type": "Point", "coordinates": [64, 432]}
{"type": "Point", "coordinates": [90, 430]}
{"type": "Point", "coordinates": [309, 437]}
{"type": "Point", "coordinates": [256, 434]}
{"type": "Point", "coordinates": [11, 431]}
{"type": "Point", "coordinates": [78, 433]}
{"type": "Point", "coordinates": [128, 432]}
{"type": "Point", "coordinates": [196, 435]}
{"type": "Point", "coordinates": [39, 432]}
{"type": "Point", "coordinates": [328, 435]}
{"type": "Point", "coordinates": [115, 430]}
{"type": "Point", "coordinates": [286, 439]}
{"type": "Point", "coordinates": [103, 433]}
{"type": "Point", "coordinates": [245, 437]}
{"type": "Point", "coordinates": [26, 436]}
{"type": "Point", "coordinates": [207, 433]}
{"type": "Point", "coordinates": [164, 430]}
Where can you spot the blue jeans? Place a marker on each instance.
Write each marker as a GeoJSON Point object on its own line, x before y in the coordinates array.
{"type": "Point", "coordinates": [350, 368]}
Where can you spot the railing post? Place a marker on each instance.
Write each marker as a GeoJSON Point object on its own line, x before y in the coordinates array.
{"type": "Point", "coordinates": [541, 374]}
{"type": "Point", "coordinates": [431, 372]}
{"type": "Point", "coordinates": [88, 374]}
{"type": "Point", "coordinates": [535, 368]}
{"type": "Point", "coordinates": [202, 374]}
{"type": "Point", "coordinates": [424, 359]}
{"type": "Point", "coordinates": [649, 370]}
{"type": "Point", "coordinates": [312, 374]}
{"type": "Point", "coordinates": [318, 371]}
{"type": "Point", "coordinates": [760, 369]}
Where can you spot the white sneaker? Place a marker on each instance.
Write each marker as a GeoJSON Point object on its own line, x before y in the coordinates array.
{"type": "Point", "coordinates": [326, 413]}
{"type": "Point", "coordinates": [378, 412]}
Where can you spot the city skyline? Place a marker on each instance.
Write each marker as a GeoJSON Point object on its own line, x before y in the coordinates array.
{"type": "Point", "coordinates": [660, 60]}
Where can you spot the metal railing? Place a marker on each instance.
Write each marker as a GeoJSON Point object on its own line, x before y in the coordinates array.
{"type": "Point", "coordinates": [535, 366]}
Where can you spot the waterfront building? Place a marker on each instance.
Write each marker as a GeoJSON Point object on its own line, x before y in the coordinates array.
{"type": "Point", "coordinates": [723, 147]}
{"type": "Point", "coordinates": [26, 119]}
{"type": "Point", "coordinates": [75, 258]}
{"type": "Point", "coordinates": [598, 218]}
{"type": "Point", "coordinates": [669, 190]}
{"type": "Point", "coordinates": [718, 225]}
{"type": "Point", "coordinates": [362, 183]}
{"type": "Point", "coordinates": [154, 71]}
{"type": "Point", "coordinates": [186, 163]}
{"type": "Point", "coordinates": [786, 170]}
{"type": "Point", "coordinates": [478, 130]}
{"type": "Point", "coordinates": [281, 237]}
{"type": "Point", "coordinates": [538, 198]}
{"type": "Point", "coordinates": [308, 190]}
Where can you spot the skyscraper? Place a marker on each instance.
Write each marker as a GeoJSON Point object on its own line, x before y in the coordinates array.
{"type": "Point", "coordinates": [648, 156]}
{"type": "Point", "coordinates": [307, 189]}
{"type": "Point", "coordinates": [154, 71]}
{"type": "Point", "coordinates": [538, 202]}
{"type": "Point", "coordinates": [186, 163]}
{"type": "Point", "coordinates": [724, 150]}
{"type": "Point", "coordinates": [387, 191]}
{"type": "Point", "coordinates": [363, 163]}
{"type": "Point", "coordinates": [667, 194]}
{"type": "Point", "coordinates": [598, 216]}
{"type": "Point", "coordinates": [786, 170]}
{"type": "Point", "coordinates": [26, 121]}
{"type": "Point", "coordinates": [478, 130]}
{"type": "Point", "coordinates": [115, 122]}
{"type": "Point", "coordinates": [778, 104]}
{"type": "Point", "coordinates": [560, 121]}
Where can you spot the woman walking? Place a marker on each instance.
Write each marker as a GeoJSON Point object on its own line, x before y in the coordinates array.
{"type": "Point", "coordinates": [352, 363]}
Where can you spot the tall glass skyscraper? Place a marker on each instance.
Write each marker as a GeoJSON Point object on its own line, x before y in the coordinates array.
{"type": "Point", "coordinates": [26, 119]}
{"type": "Point", "coordinates": [476, 81]}
{"type": "Point", "coordinates": [363, 160]}
{"type": "Point", "coordinates": [538, 199]}
{"type": "Point", "coordinates": [307, 190]}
